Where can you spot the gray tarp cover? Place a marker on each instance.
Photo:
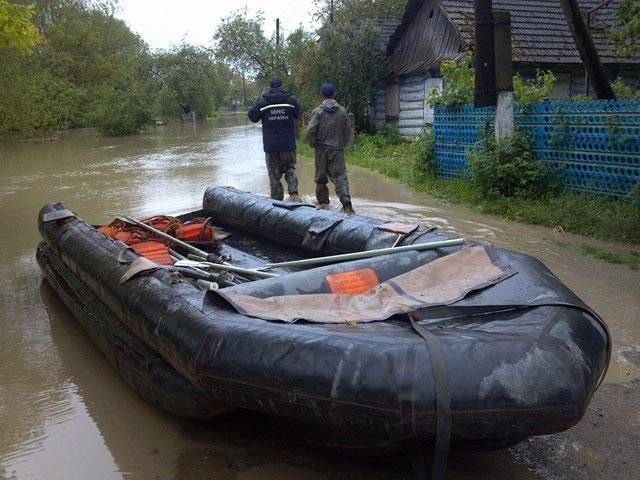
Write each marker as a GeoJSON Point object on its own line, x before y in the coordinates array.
{"type": "Point", "coordinates": [358, 295]}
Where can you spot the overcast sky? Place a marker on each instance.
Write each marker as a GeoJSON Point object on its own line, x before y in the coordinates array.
{"type": "Point", "coordinates": [162, 23]}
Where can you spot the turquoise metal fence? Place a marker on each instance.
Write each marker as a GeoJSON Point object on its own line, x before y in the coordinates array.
{"type": "Point", "coordinates": [591, 146]}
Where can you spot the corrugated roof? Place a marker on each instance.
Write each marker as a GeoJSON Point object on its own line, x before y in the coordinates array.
{"type": "Point", "coordinates": [540, 34]}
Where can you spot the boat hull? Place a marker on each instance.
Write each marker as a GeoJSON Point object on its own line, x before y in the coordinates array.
{"type": "Point", "coordinates": [513, 372]}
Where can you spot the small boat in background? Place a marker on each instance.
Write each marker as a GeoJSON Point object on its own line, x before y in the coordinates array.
{"type": "Point", "coordinates": [468, 343]}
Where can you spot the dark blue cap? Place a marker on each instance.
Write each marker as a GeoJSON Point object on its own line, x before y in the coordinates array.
{"type": "Point", "coordinates": [327, 90]}
{"type": "Point", "coordinates": [275, 82]}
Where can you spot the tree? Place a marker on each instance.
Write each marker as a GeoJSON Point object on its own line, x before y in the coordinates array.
{"type": "Point", "coordinates": [241, 43]}
{"type": "Point", "coordinates": [299, 45]}
{"type": "Point", "coordinates": [89, 70]}
{"type": "Point", "coordinates": [345, 11]}
{"type": "Point", "coordinates": [16, 29]}
{"type": "Point", "coordinates": [626, 29]}
{"type": "Point", "coordinates": [187, 76]}
{"type": "Point", "coordinates": [353, 58]}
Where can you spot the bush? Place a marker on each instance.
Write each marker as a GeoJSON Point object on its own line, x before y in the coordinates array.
{"type": "Point", "coordinates": [623, 90]}
{"type": "Point", "coordinates": [634, 194]}
{"type": "Point", "coordinates": [386, 136]}
{"type": "Point", "coordinates": [121, 112]}
{"type": "Point", "coordinates": [459, 81]}
{"type": "Point", "coordinates": [507, 168]}
{"type": "Point", "coordinates": [531, 91]}
{"type": "Point", "coordinates": [425, 155]}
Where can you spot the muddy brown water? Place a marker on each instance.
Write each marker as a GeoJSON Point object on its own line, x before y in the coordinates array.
{"type": "Point", "coordinates": [66, 414]}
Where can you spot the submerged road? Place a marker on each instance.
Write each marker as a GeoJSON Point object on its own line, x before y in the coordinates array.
{"type": "Point", "coordinates": [66, 414]}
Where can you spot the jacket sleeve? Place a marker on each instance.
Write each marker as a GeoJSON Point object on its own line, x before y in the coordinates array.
{"type": "Point", "coordinates": [312, 129]}
{"type": "Point", "coordinates": [346, 129]}
{"type": "Point", "coordinates": [254, 112]}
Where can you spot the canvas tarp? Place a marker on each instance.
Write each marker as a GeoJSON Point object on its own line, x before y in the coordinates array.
{"type": "Point", "coordinates": [361, 295]}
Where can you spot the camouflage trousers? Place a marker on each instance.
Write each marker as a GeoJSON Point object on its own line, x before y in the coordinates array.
{"type": "Point", "coordinates": [330, 166]}
{"type": "Point", "coordinates": [278, 164]}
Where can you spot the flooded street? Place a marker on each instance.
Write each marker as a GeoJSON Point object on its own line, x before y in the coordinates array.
{"type": "Point", "coordinates": [66, 414]}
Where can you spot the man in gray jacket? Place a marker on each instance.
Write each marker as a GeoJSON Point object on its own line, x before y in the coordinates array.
{"type": "Point", "coordinates": [328, 132]}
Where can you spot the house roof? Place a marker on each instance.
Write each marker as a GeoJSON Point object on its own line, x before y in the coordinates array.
{"type": "Point", "coordinates": [387, 28]}
{"type": "Point", "coordinates": [540, 33]}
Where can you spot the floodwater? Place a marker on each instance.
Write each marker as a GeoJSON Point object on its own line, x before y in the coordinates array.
{"type": "Point", "coordinates": [66, 414]}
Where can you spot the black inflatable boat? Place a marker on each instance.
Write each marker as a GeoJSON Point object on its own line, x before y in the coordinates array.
{"type": "Point", "coordinates": [473, 343]}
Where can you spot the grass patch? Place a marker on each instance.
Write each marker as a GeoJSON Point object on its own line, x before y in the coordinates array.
{"type": "Point", "coordinates": [581, 214]}
{"type": "Point", "coordinates": [632, 260]}
{"type": "Point", "coordinates": [576, 213]}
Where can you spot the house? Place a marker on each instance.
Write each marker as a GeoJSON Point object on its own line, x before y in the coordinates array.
{"type": "Point", "coordinates": [433, 31]}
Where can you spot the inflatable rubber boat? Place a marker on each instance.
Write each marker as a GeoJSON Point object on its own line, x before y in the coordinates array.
{"type": "Point", "coordinates": [285, 313]}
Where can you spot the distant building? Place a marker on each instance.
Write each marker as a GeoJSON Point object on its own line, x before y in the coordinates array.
{"type": "Point", "coordinates": [433, 31]}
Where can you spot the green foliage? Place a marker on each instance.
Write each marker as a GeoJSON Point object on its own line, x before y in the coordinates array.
{"type": "Point", "coordinates": [622, 90]}
{"type": "Point", "coordinates": [386, 136]}
{"type": "Point", "coordinates": [86, 55]}
{"type": "Point", "coordinates": [33, 99]}
{"type": "Point", "coordinates": [299, 44]}
{"type": "Point", "coordinates": [634, 194]}
{"type": "Point", "coordinates": [350, 55]}
{"type": "Point", "coordinates": [531, 91]}
{"type": "Point", "coordinates": [125, 106]}
{"type": "Point", "coordinates": [353, 58]}
{"type": "Point", "coordinates": [425, 155]}
{"type": "Point", "coordinates": [459, 81]}
{"type": "Point", "coordinates": [188, 80]}
{"type": "Point", "coordinates": [507, 168]}
{"type": "Point", "coordinates": [89, 48]}
{"type": "Point", "coordinates": [16, 29]}
{"type": "Point", "coordinates": [121, 111]}
{"type": "Point", "coordinates": [582, 214]}
{"type": "Point", "coordinates": [240, 43]}
{"type": "Point", "coordinates": [633, 261]}
{"type": "Point", "coordinates": [347, 10]}
{"type": "Point", "coordinates": [625, 33]}
{"type": "Point", "coordinates": [384, 155]}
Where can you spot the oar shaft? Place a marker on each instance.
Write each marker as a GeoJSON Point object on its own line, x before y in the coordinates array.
{"type": "Point", "coordinates": [224, 266]}
{"type": "Point", "coordinates": [246, 271]}
{"type": "Point", "coordinates": [366, 254]}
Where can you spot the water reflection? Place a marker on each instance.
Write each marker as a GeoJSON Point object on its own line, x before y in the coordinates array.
{"type": "Point", "coordinates": [122, 433]}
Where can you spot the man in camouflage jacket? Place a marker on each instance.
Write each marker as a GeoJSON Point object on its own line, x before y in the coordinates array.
{"type": "Point", "coordinates": [328, 132]}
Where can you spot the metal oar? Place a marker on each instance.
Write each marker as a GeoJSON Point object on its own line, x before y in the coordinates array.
{"type": "Point", "coordinates": [365, 254]}
{"type": "Point", "coordinates": [221, 266]}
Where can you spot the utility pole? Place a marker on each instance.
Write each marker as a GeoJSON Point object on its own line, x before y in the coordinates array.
{"type": "Point", "coordinates": [485, 90]}
{"type": "Point", "coordinates": [505, 122]}
{"type": "Point", "coordinates": [244, 90]}
{"type": "Point", "coordinates": [331, 12]}
{"type": "Point", "coordinates": [277, 32]}
{"type": "Point", "coordinates": [587, 49]}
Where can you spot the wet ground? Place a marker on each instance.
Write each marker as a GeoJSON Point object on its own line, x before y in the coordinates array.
{"type": "Point", "coordinates": [66, 414]}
